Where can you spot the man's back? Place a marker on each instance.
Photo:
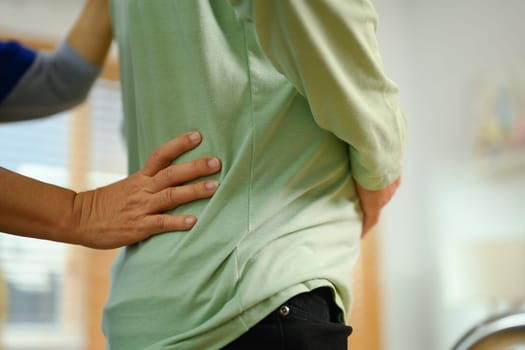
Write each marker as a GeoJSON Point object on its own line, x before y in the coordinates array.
{"type": "Point", "coordinates": [285, 219]}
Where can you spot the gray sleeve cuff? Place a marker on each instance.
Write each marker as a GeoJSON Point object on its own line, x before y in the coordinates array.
{"type": "Point", "coordinates": [55, 82]}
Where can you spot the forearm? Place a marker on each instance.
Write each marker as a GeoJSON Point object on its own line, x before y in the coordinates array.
{"type": "Point", "coordinates": [35, 209]}
{"type": "Point", "coordinates": [54, 83]}
{"type": "Point", "coordinates": [91, 35]}
{"type": "Point", "coordinates": [118, 214]}
{"type": "Point", "coordinates": [60, 80]}
{"type": "Point", "coordinates": [328, 51]}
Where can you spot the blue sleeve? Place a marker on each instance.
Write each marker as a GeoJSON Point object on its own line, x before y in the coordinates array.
{"type": "Point", "coordinates": [55, 82]}
{"type": "Point", "coordinates": [15, 60]}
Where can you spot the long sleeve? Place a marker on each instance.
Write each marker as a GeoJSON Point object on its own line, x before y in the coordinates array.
{"type": "Point", "coordinates": [52, 83]}
{"type": "Point", "coordinates": [329, 52]}
{"type": "Point", "coordinates": [15, 60]}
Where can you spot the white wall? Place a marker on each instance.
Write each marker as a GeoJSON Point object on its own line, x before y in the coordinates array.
{"type": "Point", "coordinates": [439, 52]}
{"type": "Point", "coordinates": [47, 19]}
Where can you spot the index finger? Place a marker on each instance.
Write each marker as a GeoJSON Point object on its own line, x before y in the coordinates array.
{"type": "Point", "coordinates": [169, 151]}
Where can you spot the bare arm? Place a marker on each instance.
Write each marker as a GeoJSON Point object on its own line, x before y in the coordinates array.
{"type": "Point", "coordinates": [119, 214]}
{"type": "Point", "coordinates": [62, 79]}
{"type": "Point", "coordinates": [91, 35]}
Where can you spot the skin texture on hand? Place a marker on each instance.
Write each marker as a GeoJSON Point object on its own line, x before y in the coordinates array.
{"type": "Point", "coordinates": [119, 214]}
{"type": "Point", "coordinates": [373, 202]}
{"type": "Point", "coordinates": [132, 209]}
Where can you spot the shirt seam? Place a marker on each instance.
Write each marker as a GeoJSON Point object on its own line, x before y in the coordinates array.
{"type": "Point", "coordinates": [252, 151]}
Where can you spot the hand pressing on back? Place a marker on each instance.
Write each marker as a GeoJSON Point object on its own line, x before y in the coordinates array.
{"type": "Point", "coordinates": [119, 214]}
{"type": "Point", "coordinates": [133, 209]}
{"type": "Point", "coordinates": [373, 202]}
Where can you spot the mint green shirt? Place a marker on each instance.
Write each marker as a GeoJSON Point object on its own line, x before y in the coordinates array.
{"type": "Point", "coordinates": [291, 96]}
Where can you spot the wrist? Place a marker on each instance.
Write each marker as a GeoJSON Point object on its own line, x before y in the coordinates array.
{"type": "Point", "coordinates": [61, 222]}
{"type": "Point", "coordinates": [78, 222]}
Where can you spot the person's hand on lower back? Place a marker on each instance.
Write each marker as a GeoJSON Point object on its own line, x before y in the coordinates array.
{"type": "Point", "coordinates": [373, 201]}
{"type": "Point", "coordinates": [132, 209]}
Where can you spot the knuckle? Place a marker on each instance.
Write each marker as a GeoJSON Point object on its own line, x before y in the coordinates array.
{"type": "Point", "coordinates": [171, 172]}
{"type": "Point", "coordinates": [191, 192]}
{"type": "Point", "coordinates": [170, 175]}
{"type": "Point", "coordinates": [169, 196]}
{"type": "Point", "coordinates": [199, 166]}
{"type": "Point", "coordinates": [160, 223]}
{"type": "Point", "coordinates": [157, 155]}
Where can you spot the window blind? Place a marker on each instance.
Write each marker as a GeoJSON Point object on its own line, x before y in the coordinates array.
{"type": "Point", "coordinates": [34, 271]}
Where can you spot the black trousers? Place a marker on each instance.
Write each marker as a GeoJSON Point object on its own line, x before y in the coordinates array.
{"type": "Point", "coordinates": [308, 321]}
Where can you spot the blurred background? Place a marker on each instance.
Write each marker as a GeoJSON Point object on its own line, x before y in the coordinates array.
{"type": "Point", "coordinates": [450, 250]}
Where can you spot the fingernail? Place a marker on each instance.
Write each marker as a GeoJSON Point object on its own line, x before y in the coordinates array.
{"type": "Point", "coordinates": [194, 137]}
{"type": "Point", "coordinates": [189, 220]}
{"type": "Point", "coordinates": [213, 163]}
{"type": "Point", "coordinates": [211, 185]}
